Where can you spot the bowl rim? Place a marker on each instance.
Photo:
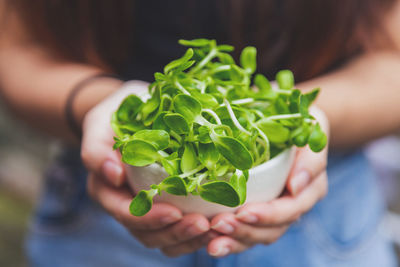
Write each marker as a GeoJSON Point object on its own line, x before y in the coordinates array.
{"type": "Point", "coordinates": [273, 162]}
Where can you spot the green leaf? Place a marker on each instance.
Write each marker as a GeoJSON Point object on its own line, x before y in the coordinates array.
{"type": "Point", "coordinates": [222, 169]}
{"type": "Point", "coordinates": [174, 185]}
{"type": "Point", "coordinates": [294, 101]}
{"type": "Point", "coordinates": [150, 106]}
{"type": "Point", "coordinates": [130, 127]}
{"type": "Point", "coordinates": [219, 192]}
{"type": "Point", "coordinates": [195, 42]}
{"type": "Point", "coordinates": [276, 132]}
{"type": "Point", "coordinates": [239, 181]}
{"type": "Point", "coordinates": [171, 166]}
{"type": "Point", "coordinates": [262, 83]}
{"type": "Point", "coordinates": [317, 140]}
{"type": "Point", "coordinates": [281, 106]}
{"type": "Point", "coordinates": [300, 135]}
{"type": "Point", "coordinates": [139, 153]}
{"type": "Point", "coordinates": [234, 151]}
{"type": "Point", "coordinates": [206, 100]}
{"type": "Point", "coordinates": [118, 143]}
{"type": "Point", "coordinates": [248, 59]}
{"type": "Point", "coordinates": [236, 73]}
{"type": "Point", "coordinates": [204, 134]}
{"type": "Point", "coordinates": [225, 48]}
{"type": "Point", "coordinates": [115, 125]}
{"type": "Point", "coordinates": [177, 123]}
{"type": "Point", "coordinates": [129, 108]}
{"type": "Point", "coordinates": [306, 100]}
{"type": "Point", "coordinates": [142, 203]}
{"type": "Point", "coordinates": [226, 58]}
{"type": "Point", "coordinates": [285, 79]}
{"type": "Point", "coordinates": [159, 123]}
{"type": "Point", "coordinates": [158, 138]}
{"type": "Point", "coordinates": [189, 158]}
{"type": "Point", "coordinates": [159, 77]}
{"type": "Point", "coordinates": [208, 155]}
{"type": "Point", "coordinates": [187, 106]}
{"type": "Point", "coordinates": [178, 62]}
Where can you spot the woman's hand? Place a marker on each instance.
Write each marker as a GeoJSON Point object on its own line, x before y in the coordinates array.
{"type": "Point", "coordinates": [265, 223]}
{"type": "Point", "coordinates": [164, 226]}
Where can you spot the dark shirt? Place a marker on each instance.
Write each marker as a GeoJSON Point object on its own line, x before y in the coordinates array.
{"type": "Point", "coordinates": [158, 25]}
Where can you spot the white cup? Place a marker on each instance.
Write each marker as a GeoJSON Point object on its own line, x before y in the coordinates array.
{"type": "Point", "coordinates": [266, 182]}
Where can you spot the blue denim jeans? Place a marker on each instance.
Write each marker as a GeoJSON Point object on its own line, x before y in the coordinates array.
{"type": "Point", "coordinates": [341, 230]}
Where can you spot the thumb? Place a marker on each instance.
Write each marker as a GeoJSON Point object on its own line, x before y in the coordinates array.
{"type": "Point", "coordinates": [96, 149]}
{"type": "Point", "coordinates": [308, 164]}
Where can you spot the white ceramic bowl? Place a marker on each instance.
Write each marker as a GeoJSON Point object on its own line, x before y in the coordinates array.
{"type": "Point", "coordinates": [265, 183]}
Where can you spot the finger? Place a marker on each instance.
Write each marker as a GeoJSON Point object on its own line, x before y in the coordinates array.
{"type": "Point", "coordinates": [225, 245]}
{"type": "Point", "coordinates": [97, 153]}
{"type": "Point", "coordinates": [308, 164]}
{"type": "Point", "coordinates": [285, 209]}
{"type": "Point", "coordinates": [189, 227]}
{"type": "Point", "coordinates": [246, 233]}
{"type": "Point", "coordinates": [189, 246]}
{"type": "Point", "coordinates": [117, 201]}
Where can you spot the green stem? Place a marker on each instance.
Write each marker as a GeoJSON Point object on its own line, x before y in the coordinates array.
{"type": "Point", "coordinates": [285, 116]}
{"type": "Point", "coordinates": [190, 173]}
{"type": "Point", "coordinates": [176, 136]}
{"type": "Point", "coordinates": [220, 68]}
{"type": "Point", "coordinates": [234, 119]}
{"type": "Point", "coordinates": [153, 192]}
{"type": "Point", "coordinates": [163, 154]}
{"type": "Point", "coordinates": [222, 126]}
{"type": "Point", "coordinates": [266, 140]}
{"type": "Point", "coordinates": [201, 177]}
{"type": "Point", "coordinates": [282, 91]}
{"type": "Point", "coordinates": [204, 61]}
{"type": "Point", "coordinates": [243, 101]}
{"type": "Point", "coordinates": [180, 87]}
{"type": "Point", "coordinates": [213, 114]}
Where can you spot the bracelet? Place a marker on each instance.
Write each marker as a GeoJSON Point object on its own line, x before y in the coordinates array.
{"type": "Point", "coordinates": [69, 115]}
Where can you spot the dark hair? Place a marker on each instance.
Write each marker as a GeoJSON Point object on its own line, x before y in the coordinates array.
{"type": "Point", "coordinates": [310, 37]}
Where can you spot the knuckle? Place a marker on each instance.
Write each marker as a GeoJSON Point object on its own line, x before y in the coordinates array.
{"type": "Point", "coordinates": [195, 244]}
{"type": "Point", "coordinates": [170, 252]}
{"type": "Point", "coordinates": [146, 241]}
{"type": "Point", "coordinates": [248, 237]}
{"type": "Point", "coordinates": [175, 237]}
{"type": "Point", "coordinates": [296, 215]}
{"type": "Point", "coordinates": [274, 237]}
{"type": "Point", "coordinates": [276, 218]}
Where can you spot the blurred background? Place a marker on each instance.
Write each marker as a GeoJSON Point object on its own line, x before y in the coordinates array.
{"type": "Point", "coordinates": [24, 155]}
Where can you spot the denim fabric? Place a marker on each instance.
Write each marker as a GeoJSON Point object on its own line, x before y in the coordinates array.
{"type": "Point", "coordinates": [341, 230]}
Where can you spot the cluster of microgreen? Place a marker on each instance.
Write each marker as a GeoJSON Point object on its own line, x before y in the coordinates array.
{"type": "Point", "coordinates": [207, 125]}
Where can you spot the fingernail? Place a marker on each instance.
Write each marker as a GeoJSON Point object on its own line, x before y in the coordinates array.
{"type": "Point", "coordinates": [223, 227]}
{"type": "Point", "coordinates": [196, 229]}
{"type": "Point", "coordinates": [246, 217]}
{"type": "Point", "coordinates": [171, 218]}
{"type": "Point", "coordinates": [113, 172]}
{"type": "Point", "coordinates": [300, 181]}
{"type": "Point", "coordinates": [220, 252]}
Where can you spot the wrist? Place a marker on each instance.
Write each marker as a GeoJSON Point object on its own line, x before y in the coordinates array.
{"type": "Point", "coordinates": [91, 95]}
